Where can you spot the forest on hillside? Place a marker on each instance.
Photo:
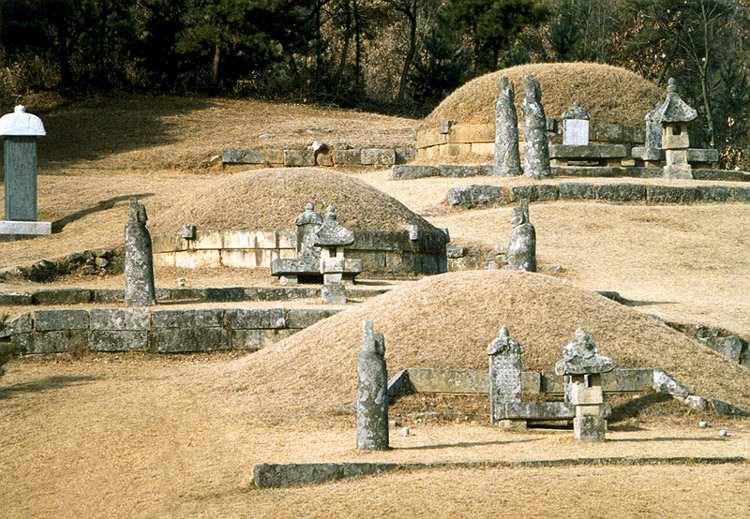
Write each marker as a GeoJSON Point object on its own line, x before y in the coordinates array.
{"type": "Point", "coordinates": [394, 56]}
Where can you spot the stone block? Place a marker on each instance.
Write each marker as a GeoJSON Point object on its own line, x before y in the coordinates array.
{"type": "Point", "coordinates": [59, 341]}
{"type": "Point", "coordinates": [621, 192]}
{"type": "Point", "coordinates": [697, 402]}
{"type": "Point", "coordinates": [628, 380]}
{"type": "Point", "coordinates": [576, 191]}
{"type": "Point", "coordinates": [239, 258]}
{"type": "Point", "coordinates": [372, 261]}
{"type": "Point", "coordinates": [108, 295]}
{"type": "Point", "coordinates": [546, 192]}
{"type": "Point", "coordinates": [238, 239]}
{"type": "Point", "coordinates": [114, 340]}
{"type": "Point", "coordinates": [192, 318]}
{"type": "Point", "coordinates": [608, 132]}
{"type": "Point", "coordinates": [475, 194]}
{"type": "Point", "coordinates": [302, 318]}
{"type": "Point", "coordinates": [275, 157]}
{"type": "Point", "coordinates": [224, 294]}
{"type": "Point", "coordinates": [534, 411]}
{"type": "Point", "coordinates": [647, 154]}
{"type": "Point", "coordinates": [62, 296]}
{"type": "Point", "coordinates": [198, 258]}
{"type": "Point", "coordinates": [255, 318]}
{"type": "Point", "coordinates": [483, 148]}
{"type": "Point", "coordinates": [45, 320]}
{"type": "Point", "coordinates": [589, 428]}
{"type": "Point", "coordinates": [457, 170]}
{"type": "Point", "coordinates": [455, 150]}
{"type": "Point", "coordinates": [398, 262]}
{"type": "Point", "coordinates": [702, 155]}
{"type": "Point", "coordinates": [186, 340]}
{"type": "Point", "coordinates": [742, 194]}
{"type": "Point", "coordinates": [347, 157]}
{"type": "Point", "coordinates": [242, 156]}
{"type": "Point", "coordinates": [713, 193]}
{"type": "Point", "coordinates": [670, 194]}
{"type": "Point", "coordinates": [424, 380]}
{"type": "Point", "coordinates": [406, 172]}
{"type": "Point", "coordinates": [405, 155]}
{"type": "Point", "coordinates": [299, 158]}
{"type": "Point", "coordinates": [15, 298]}
{"type": "Point", "coordinates": [119, 319]}
{"type": "Point", "coordinates": [730, 347]}
{"type": "Point", "coordinates": [666, 384]}
{"type": "Point", "coordinates": [19, 325]}
{"type": "Point", "coordinates": [592, 151]}
{"type": "Point", "coordinates": [575, 132]}
{"type": "Point", "coordinates": [333, 293]}
{"type": "Point", "coordinates": [22, 343]}
{"type": "Point", "coordinates": [268, 475]}
{"type": "Point", "coordinates": [267, 239]}
{"type": "Point", "coordinates": [254, 340]}
{"type": "Point", "coordinates": [580, 395]}
{"type": "Point", "coordinates": [208, 240]}
{"type": "Point", "coordinates": [727, 409]}
{"type": "Point", "coordinates": [528, 192]}
{"type": "Point", "coordinates": [378, 157]}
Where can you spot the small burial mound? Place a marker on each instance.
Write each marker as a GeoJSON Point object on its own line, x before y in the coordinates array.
{"type": "Point", "coordinates": [610, 94]}
{"type": "Point", "coordinates": [446, 322]}
{"type": "Point", "coordinates": [270, 199]}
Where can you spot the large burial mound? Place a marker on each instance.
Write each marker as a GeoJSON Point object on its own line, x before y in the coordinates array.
{"type": "Point", "coordinates": [610, 94]}
{"type": "Point", "coordinates": [447, 321]}
{"type": "Point", "coordinates": [270, 199]}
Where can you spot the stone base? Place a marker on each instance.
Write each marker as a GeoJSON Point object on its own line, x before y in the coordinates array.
{"type": "Point", "coordinates": [589, 428]}
{"type": "Point", "coordinates": [678, 171]}
{"type": "Point", "coordinates": [11, 230]}
{"type": "Point", "coordinates": [515, 425]}
{"type": "Point", "coordinates": [333, 294]}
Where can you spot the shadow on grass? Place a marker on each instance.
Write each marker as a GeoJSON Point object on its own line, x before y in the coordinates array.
{"type": "Point", "coordinates": [638, 406]}
{"type": "Point", "coordinates": [47, 384]}
{"type": "Point", "coordinates": [633, 302]}
{"type": "Point", "coordinates": [103, 205]}
{"type": "Point", "coordinates": [667, 439]}
{"type": "Point", "coordinates": [463, 444]}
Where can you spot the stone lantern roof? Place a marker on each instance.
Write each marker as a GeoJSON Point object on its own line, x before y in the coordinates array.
{"type": "Point", "coordinates": [673, 109]}
{"type": "Point", "coordinates": [580, 357]}
{"type": "Point", "coordinates": [332, 233]}
{"type": "Point", "coordinates": [576, 112]}
{"type": "Point", "coordinates": [22, 124]}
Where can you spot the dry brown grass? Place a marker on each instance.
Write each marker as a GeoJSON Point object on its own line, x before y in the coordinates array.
{"type": "Point", "coordinates": [270, 199]}
{"type": "Point", "coordinates": [610, 94]}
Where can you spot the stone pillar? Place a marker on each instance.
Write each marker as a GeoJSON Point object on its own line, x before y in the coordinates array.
{"type": "Point", "coordinates": [507, 160]}
{"type": "Point", "coordinates": [522, 248]}
{"type": "Point", "coordinates": [505, 377]}
{"type": "Point", "coordinates": [653, 128]}
{"type": "Point", "coordinates": [575, 125]}
{"type": "Point", "coordinates": [139, 259]}
{"type": "Point", "coordinates": [535, 144]}
{"type": "Point", "coordinates": [582, 367]}
{"type": "Point", "coordinates": [372, 391]}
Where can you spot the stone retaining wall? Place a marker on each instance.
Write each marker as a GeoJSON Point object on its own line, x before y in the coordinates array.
{"type": "Point", "coordinates": [156, 331]}
{"type": "Point", "coordinates": [382, 252]}
{"type": "Point", "coordinates": [327, 157]}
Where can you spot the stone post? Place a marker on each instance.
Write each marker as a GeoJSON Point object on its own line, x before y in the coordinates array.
{"type": "Point", "coordinates": [372, 391]}
{"type": "Point", "coordinates": [653, 128]}
{"type": "Point", "coordinates": [20, 131]}
{"type": "Point", "coordinates": [575, 125]}
{"type": "Point", "coordinates": [535, 144]}
{"type": "Point", "coordinates": [507, 160]}
{"type": "Point", "coordinates": [584, 366]}
{"type": "Point", "coordinates": [139, 259]}
{"type": "Point", "coordinates": [505, 376]}
{"type": "Point", "coordinates": [522, 247]}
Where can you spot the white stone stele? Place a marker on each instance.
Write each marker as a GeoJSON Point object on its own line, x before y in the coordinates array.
{"type": "Point", "coordinates": [576, 132]}
{"type": "Point", "coordinates": [25, 228]}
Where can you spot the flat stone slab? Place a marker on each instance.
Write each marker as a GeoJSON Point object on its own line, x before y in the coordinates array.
{"type": "Point", "coordinates": [242, 156]}
{"type": "Point", "coordinates": [25, 228]}
{"type": "Point", "coordinates": [405, 172]}
{"type": "Point", "coordinates": [591, 151]}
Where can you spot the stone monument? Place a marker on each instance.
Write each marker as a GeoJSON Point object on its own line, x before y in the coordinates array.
{"type": "Point", "coordinates": [673, 115]}
{"type": "Point", "coordinates": [308, 223]}
{"type": "Point", "coordinates": [139, 259]}
{"type": "Point", "coordinates": [653, 129]}
{"type": "Point", "coordinates": [332, 237]}
{"type": "Point", "coordinates": [505, 375]}
{"type": "Point", "coordinates": [522, 248]}
{"type": "Point", "coordinates": [372, 391]}
{"type": "Point", "coordinates": [535, 144]}
{"type": "Point", "coordinates": [582, 363]}
{"type": "Point", "coordinates": [575, 125]}
{"type": "Point", "coordinates": [20, 131]}
{"type": "Point", "coordinates": [507, 160]}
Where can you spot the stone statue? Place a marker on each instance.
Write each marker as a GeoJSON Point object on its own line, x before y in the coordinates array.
{"type": "Point", "coordinates": [522, 248]}
{"type": "Point", "coordinates": [372, 391]}
{"type": "Point", "coordinates": [139, 259]}
{"type": "Point", "coordinates": [535, 145]}
{"type": "Point", "coordinates": [308, 223]}
{"type": "Point", "coordinates": [507, 161]}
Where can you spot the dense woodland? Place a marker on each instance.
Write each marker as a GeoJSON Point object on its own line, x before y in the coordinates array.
{"type": "Point", "coordinates": [397, 56]}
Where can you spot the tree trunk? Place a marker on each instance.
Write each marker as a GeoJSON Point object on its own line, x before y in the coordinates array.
{"type": "Point", "coordinates": [412, 15]}
{"type": "Point", "coordinates": [216, 62]}
{"type": "Point", "coordinates": [345, 50]}
{"type": "Point", "coordinates": [357, 46]}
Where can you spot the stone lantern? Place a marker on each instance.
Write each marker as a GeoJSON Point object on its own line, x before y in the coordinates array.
{"type": "Point", "coordinates": [673, 115]}
{"type": "Point", "coordinates": [332, 237]}
{"type": "Point", "coordinates": [20, 131]}
{"type": "Point", "coordinates": [584, 366]}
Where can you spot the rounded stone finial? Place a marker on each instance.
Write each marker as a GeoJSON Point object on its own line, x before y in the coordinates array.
{"type": "Point", "coordinates": [672, 86]}
{"type": "Point", "coordinates": [331, 213]}
{"type": "Point", "coordinates": [20, 109]}
{"type": "Point", "coordinates": [309, 207]}
{"type": "Point", "coordinates": [21, 123]}
{"type": "Point", "coordinates": [504, 344]}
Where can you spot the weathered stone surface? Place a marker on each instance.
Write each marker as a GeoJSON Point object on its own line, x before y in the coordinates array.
{"type": "Point", "coordinates": [61, 320]}
{"type": "Point", "coordinates": [697, 402]}
{"type": "Point", "coordinates": [507, 160]}
{"type": "Point", "coordinates": [378, 157]}
{"type": "Point", "coordinates": [580, 357]}
{"type": "Point", "coordinates": [347, 157]}
{"type": "Point", "coordinates": [405, 155]}
{"type": "Point", "coordinates": [522, 247]}
{"type": "Point", "coordinates": [673, 109]}
{"type": "Point", "coordinates": [22, 343]}
{"type": "Point", "coordinates": [117, 340]}
{"type": "Point", "coordinates": [302, 318]}
{"type": "Point", "coordinates": [702, 155]}
{"type": "Point", "coordinates": [727, 409]}
{"type": "Point", "coordinates": [621, 192]}
{"type": "Point", "coordinates": [670, 194]}
{"type": "Point", "coordinates": [406, 172]}
{"type": "Point", "coordinates": [188, 318]}
{"type": "Point", "coordinates": [742, 194]}
{"type": "Point", "coordinates": [279, 293]}
{"type": "Point", "coordinates": [372, 391]}
{"type": "Point", "coordinates": [454, 252]}
{"type": "Point", "coordinates": [457, 170]}
{"type": "Point", "coordinates": [242, 156]}
{"type": "Point", "coordinates": [62, 296]}
{"type": "Point", "coordinates": [139, 261]}
{"type": "Point", "coordinates": [519, 410]}
{"type": "Point", "coordinates": [299, 158]}
{"type": "Point", "coordinates": [591, 151]}
{"type": "Point", "coordinates": [535, 145]}
{"type": "Point", "coordinates": [254, 340]}
{"type": "Point", "coordinates": [59, 341]}
{"type": "Point", "coordinates": [21, 324]}
{"type": "Point", "coordinates": [648, 154]}
{"type": "Point", "coordinates": [186, 340]}
{"type": "Point", "coordinates": [653, 128]}
{"type": "Point", "coordinates": [575, 132]}
{"type": "Point", "coordinates": [576, 191]}
{"type": "Point", "coordinates": [475, 194]}
{"type": "Point", "coordinates": [297, 474]}
{"type": "Point", "coordinates": [666, 384]}
{"type": "Point", "coordinates": [333, 293]}
{"type": "Point", "coordinates": [332, 233]}
{"type": "Point", "coordinates": [713, 193]}
{"type": "Point", "coordinates": [120, 319]}
{"type": "Point", "coordinates": [505, 370]}
{"type": "Point", "coordinates": [730, 347]}
{"type": "Point", "coordinates": [252, 318]}
{"type": "Point", "coordinates": [15, 298]}
{"type": "Point", "coordinates": [589, 428]}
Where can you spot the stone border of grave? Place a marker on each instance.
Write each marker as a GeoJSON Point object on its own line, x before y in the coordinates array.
{"type": "Point", "coordinates": [156, 331]}
{"type": "Point", "coordinates": [92, 262]}
{"type": "Point", "coordinates": [468, 197]}
{"type": "Point", "coordinates": [320, 155]}
{"type": "Point", "coordinates": [278, 475]}
{"type": "Point", "coordinates": [75, 296]}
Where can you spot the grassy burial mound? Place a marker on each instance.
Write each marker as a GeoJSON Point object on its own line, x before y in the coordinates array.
{"type": "Point", "coordinates": [610, 94]}
{"type": "Point", "coordinates": [269, 199]}
{"type": "Point", "coordinates": [446, 322]}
